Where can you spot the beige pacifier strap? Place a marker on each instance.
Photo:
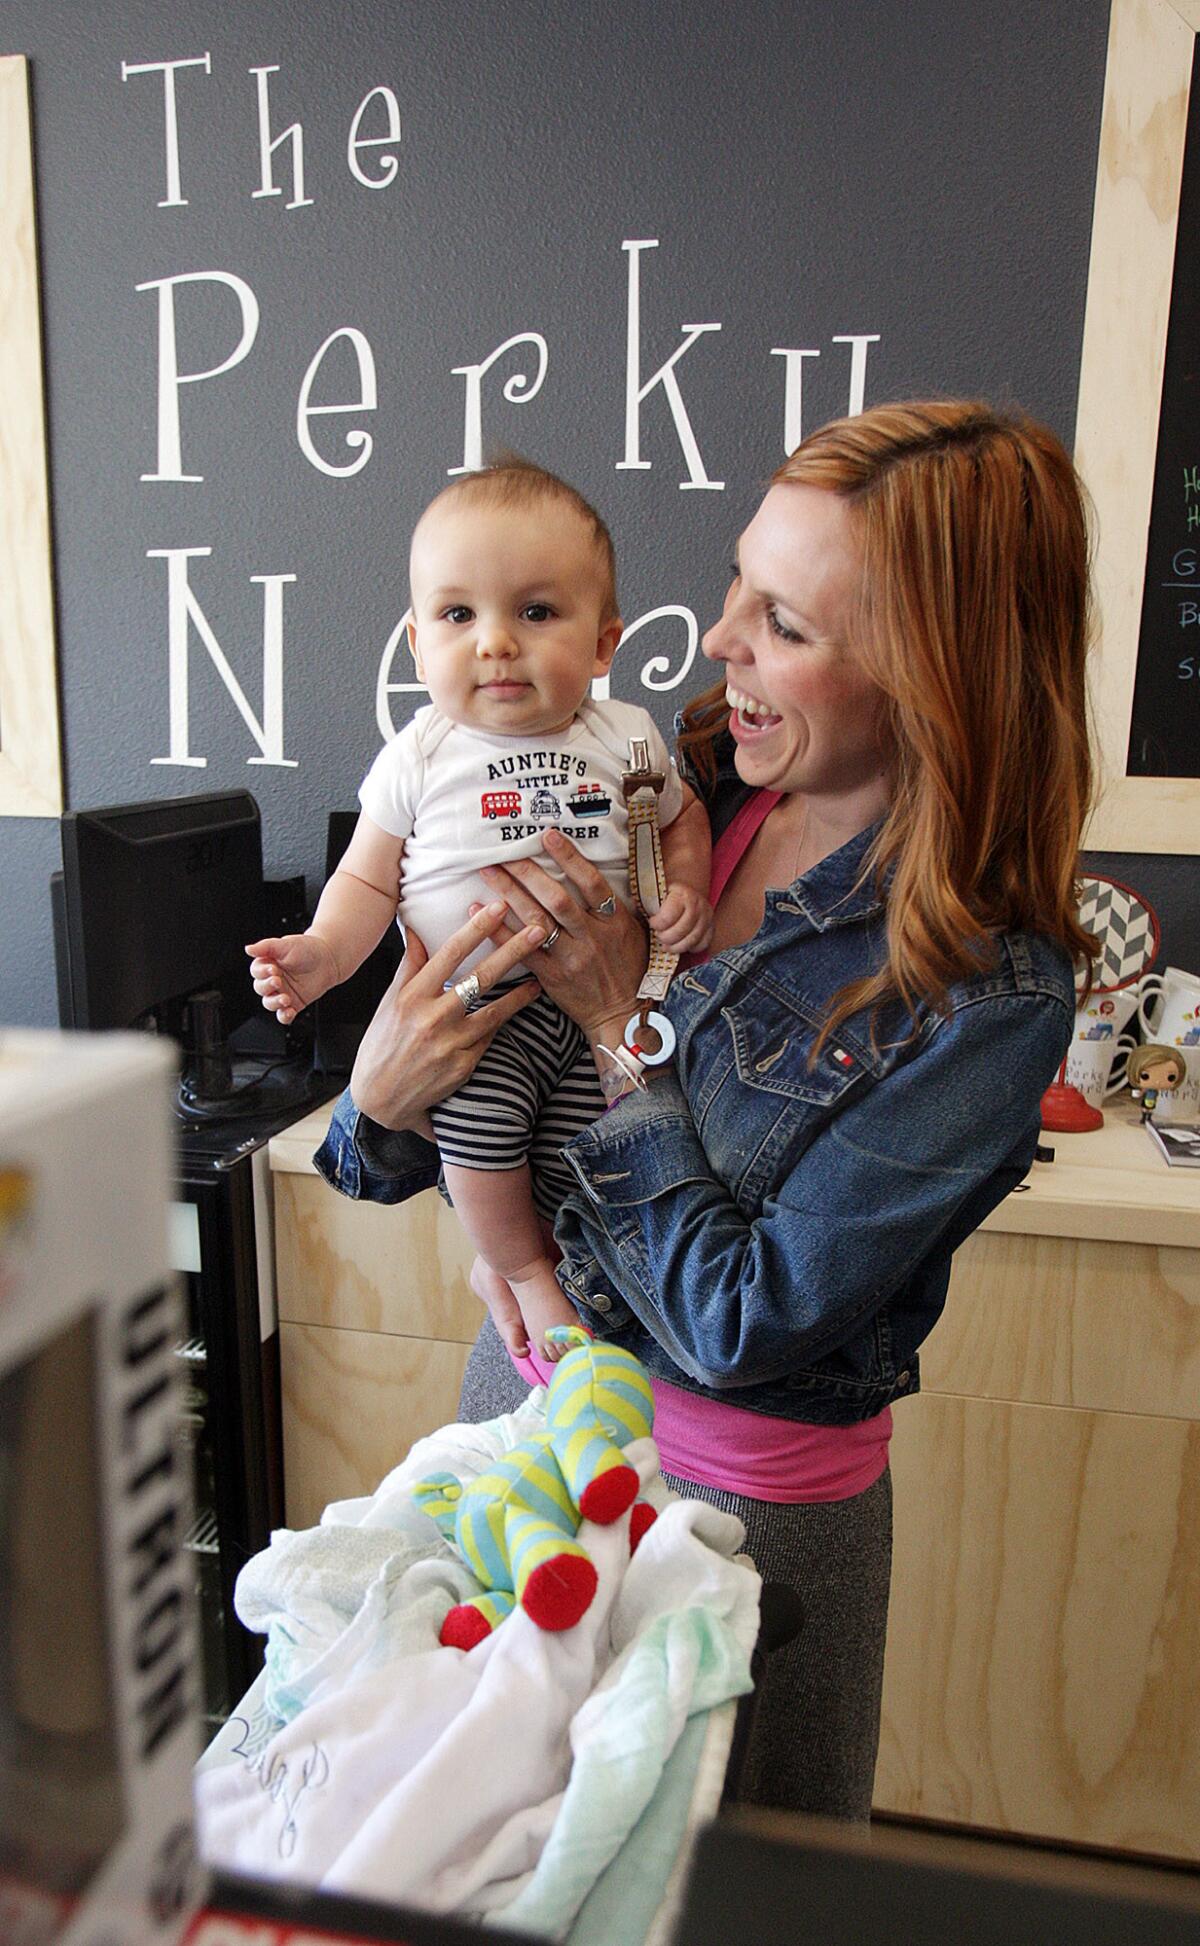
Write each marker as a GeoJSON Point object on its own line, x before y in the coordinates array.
{"type": "Point", "coordinates": [647, 875]}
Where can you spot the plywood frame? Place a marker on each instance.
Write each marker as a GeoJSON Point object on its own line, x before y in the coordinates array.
{"type": "Point", "coordinates": [30, 763]}
{"type": "Point", "coordinates": [1138, 177]}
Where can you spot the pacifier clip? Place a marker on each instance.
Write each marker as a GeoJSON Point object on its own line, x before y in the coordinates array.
{"type": "Point", "coordinates": [649, 1034]}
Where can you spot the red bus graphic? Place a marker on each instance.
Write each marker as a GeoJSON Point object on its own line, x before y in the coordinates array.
{"type": "Point", "coordinates": [501, 804]}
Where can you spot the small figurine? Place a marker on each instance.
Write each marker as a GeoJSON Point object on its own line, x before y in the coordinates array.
{"type": "Point", "coordinates": [1154, 1070]}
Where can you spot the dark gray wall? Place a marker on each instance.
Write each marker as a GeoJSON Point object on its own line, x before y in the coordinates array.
{"type": "Point", "coordinates": [903, 168]}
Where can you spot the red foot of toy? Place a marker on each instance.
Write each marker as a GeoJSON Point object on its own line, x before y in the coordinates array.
{"type": "Point", "coordinates": [463, 1627]}
{"type": "Point", "coordinates": [559, 1592]}
{"type": "Point", "coordinates": [641, 1520]}
{"type": "Point", "coordinates": [608, 1496]}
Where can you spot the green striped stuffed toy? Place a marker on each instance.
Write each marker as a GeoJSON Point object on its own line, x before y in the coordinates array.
{"type": "Point", "coordinates": [515, 1525]}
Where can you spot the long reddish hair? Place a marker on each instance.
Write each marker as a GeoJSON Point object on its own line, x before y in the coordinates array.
{"type": "Point", "coordinates": [974, 621]}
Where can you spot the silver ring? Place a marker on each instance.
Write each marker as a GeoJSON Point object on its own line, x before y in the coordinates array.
{"type": "Point", "coordinates": [550, 939]}
{"type": "Point", "coordinates": [606, 907]}
{"type": "Point", "coordinates": [468, 991]}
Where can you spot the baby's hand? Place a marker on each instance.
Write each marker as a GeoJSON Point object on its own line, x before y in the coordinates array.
{"type": "Point", "coordinates": [684, 920]}
{"type": "Point", "coordinates": [290, 973]}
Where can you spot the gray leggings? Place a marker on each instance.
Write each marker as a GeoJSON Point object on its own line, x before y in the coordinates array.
{"type": "Point", "coordinates": [816, 1724]}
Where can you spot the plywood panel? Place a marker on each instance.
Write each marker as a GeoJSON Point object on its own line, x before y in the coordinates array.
{"type": "Point", "coordinates": [1044, 1639]}
{"type": "Point", "coordinates": [368, 1267]}
{"type": "Point", "coordinates": [1065, 1321]}
{"type": "Point", "coordinates": [30, 771]}
{"type": "Point", "coordinates": [353, 1403]}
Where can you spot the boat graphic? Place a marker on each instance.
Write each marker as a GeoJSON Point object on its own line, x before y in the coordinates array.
{"type": "Point", "coordinates": [589, 801]}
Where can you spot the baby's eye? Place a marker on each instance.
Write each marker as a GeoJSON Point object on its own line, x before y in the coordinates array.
{"type": "Point", "coordinates": [735, 573]}
{"type": "Point", "coordinates": [458, 613]}
{"type": "Point", "coordinates": [781, 629]}
{"type": "Point", "coordinates": [537, 611]}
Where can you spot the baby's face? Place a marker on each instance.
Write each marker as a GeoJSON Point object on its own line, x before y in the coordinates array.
{"type": "Point", "coordinates": [509, 627]}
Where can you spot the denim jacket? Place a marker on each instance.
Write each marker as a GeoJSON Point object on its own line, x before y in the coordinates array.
{"type": "Point", "coordinates": [781, 1236]}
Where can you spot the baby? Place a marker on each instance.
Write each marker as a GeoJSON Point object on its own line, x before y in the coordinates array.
{"type": "Point", "coordinates": [514, 607]}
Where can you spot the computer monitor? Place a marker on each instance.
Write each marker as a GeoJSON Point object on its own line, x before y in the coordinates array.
{"type": "Point", "coordinates": [158, 900]}
{"type": "Point", "coordinates": [152, 910]}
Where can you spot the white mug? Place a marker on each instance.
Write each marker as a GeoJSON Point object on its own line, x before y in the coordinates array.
{"type": "Point", "coordinates": [1096, 1064]}
{"type": "Point", "coordinates": [1169, 1015]}
{"type": "Point", "coordinates": [1102, 1016]}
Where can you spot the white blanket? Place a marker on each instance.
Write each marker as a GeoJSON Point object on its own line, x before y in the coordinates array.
{"type": "Point", "coordinates": [424, 1775]}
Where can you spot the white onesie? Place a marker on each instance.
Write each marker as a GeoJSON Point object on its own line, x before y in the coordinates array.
{"type": "Point", "coordinates": [460, 799]}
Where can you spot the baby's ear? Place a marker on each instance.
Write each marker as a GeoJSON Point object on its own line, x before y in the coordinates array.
{"type": "Point", "coordinates": [606, 645]}
{"type": "Point", "coordinates": [410, 629]}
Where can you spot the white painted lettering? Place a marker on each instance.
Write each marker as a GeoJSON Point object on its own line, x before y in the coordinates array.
{"type": "Point", "coordinates": [664, 376]}
{"type": "Point", "coordinates": [793, 394]}
{"type": "Point", "coordinates": [858, 343]}
{"type": "Point", "coordinates": [366, 401]}
{"type": "Point", "coordinates": [267, 147]}
{"type": "Point", "coordinates": [182, 607]}
{"type": "Point", "coordinates": [170, 378]}
{"type": "Point", "coordinates": [655, 673]}
{"type": "Point", "coordinates": [174, 198]}
{"type": "Point", "coordinates": [518, 390]}
{"type": "Point", "coordinates": [384, 685]}
{"type": "Point", "coordinates": [388, 165]}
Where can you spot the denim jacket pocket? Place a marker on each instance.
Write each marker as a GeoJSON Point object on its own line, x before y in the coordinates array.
{"type": "Point", "coordinates": [773, 1033]}
{"type": "Point", "coordinates": [862, 1368]}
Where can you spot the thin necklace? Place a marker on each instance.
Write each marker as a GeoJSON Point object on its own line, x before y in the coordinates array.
{"type": "Point", "coordinates": [794, 872]}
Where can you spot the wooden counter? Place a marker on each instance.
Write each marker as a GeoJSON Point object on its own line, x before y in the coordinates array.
{"type": "Point", "coordinates": [1043, 1666]}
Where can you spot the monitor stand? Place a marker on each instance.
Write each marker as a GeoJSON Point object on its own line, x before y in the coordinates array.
{"type": "Point", "coordinates": [220, 1086]}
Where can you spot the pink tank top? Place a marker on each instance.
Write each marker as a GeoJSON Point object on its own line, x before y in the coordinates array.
{"type": "Point", "coordinates": [709, 1443]}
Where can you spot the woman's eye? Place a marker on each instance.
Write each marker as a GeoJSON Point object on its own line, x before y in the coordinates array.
{"type": "Point", "coordinates": [537, 611]}
{"type": "Point", "coordinates": [735, 573]}
{"type": "Point", "coordinates": [781, 629]}
{"type": "Point", "coordinates": [456, 614]}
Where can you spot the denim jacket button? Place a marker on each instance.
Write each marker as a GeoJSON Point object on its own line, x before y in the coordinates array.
{"type": "Point", "coordinates": [902, 1378]}
{"type": "Point", "coordinates": [601, 1301]}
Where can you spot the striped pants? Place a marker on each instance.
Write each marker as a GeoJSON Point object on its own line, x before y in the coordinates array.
{"type": "Point", "coordinates": [534, 1088]}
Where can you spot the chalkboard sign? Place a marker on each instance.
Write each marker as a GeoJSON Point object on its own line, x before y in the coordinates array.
{"type": "Point", "coordinates": [1137, 435]}
{"type": "Point", "coordinates": [1164, 731]}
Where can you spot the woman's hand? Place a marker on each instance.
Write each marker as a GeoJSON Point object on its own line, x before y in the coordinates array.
{"type": "Point", "coordinates": [596, 963]}
{"type": "Point", "coordinates": [422, 1043]}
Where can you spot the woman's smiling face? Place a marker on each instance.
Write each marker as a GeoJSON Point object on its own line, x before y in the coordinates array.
{"type": "Point", "coordinates": [805, 716]}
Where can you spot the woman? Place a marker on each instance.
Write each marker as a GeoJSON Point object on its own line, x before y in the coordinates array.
{"type": "Point", "coordinates": [896, 766]}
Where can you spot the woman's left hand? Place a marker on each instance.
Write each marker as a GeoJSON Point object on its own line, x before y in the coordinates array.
{"type": "Point", "coordinates": [595, 965]}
